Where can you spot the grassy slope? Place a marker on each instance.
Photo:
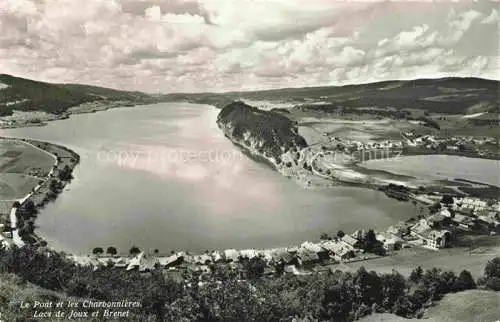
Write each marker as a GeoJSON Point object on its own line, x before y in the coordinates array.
{"type": "Point", "coordinates": [13, 291]}
{"type": "Point", "coordinates": [468, 306]}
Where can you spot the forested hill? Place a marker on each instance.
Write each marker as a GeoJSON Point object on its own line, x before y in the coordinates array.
{"type": "Point", "coordinates": [267, 133]}
{"type": "Point", "coordinates": [452, 95]}
{"type": "Point", "coordinates": [27, 95]}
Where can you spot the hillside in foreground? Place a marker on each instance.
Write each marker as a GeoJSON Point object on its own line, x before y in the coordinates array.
{"type": "Point", "coordinates": [472, 305]}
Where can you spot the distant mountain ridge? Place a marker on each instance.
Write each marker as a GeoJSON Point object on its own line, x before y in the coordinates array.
{"type": "Point", "coordinates": [451, 95]}
{"type": "Point", "coordinates": [23, 94]}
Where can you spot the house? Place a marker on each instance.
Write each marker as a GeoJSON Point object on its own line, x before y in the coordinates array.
{"type": "Point", "coordinates": [398, 231]}
{"type": "Point", "coordinates": [435, 239]}
{"type": "Point", "coordinates": [148, 264]}
{"type": "Point", "coordinates": [120, 262]}
{"type": "Point", "coordinates": [306, 256]}
{"type": "Point", "coordinates": [202, 259]}
{"type": "Point", "coordinates": [338, 250]}
{"type": "Point", "coordinates": [268, 255]}
{"type": "Point", "coordinates": [135, 262]}
{"type": "Point", "coordinates": [315, 248]}
{"type": "Point", "coordinates": [249, 253]}
{"type": "Point", "coordinates": [282, 255]}
{"type": "Point", "coordinates": [171, 261]}
{"type": "Point", "coordinates": [463, 222]}
{"type": "Point", "coordinates": [231, 255]}
{"type": "Point", "coordinates": [350, 242]}
{"type": "Point", "coordinates": [437, 220]}
{"type": "Point", "coordinates": [216, 256]}
{"type": "Point", "coordinates": [390, 242]}
{"type": "Point", "coordinates": [491, 223]}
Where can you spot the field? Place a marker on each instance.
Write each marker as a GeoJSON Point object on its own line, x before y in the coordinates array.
{"type": "Point", "coordinates": [22, 167]}
{"type": "Point", "coordinates": [468, 306]}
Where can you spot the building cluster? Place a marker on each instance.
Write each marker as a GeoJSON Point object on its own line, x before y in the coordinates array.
{"type": "Point", "coordinates": [450, 143]}
{"type": "Point", "coordinates": [305, 255]}
{"type": "Point", "coordinates": [434, 232]}
{"type": "Point", "coordinates": [455, 214]}
{"type": "Point", "coordinates": [356, 145]}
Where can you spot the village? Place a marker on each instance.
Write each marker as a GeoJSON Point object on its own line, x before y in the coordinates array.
{"type": "Point", "coordinates": [419, 144]}
{"type": "Point", "coordinates": [442, 220]}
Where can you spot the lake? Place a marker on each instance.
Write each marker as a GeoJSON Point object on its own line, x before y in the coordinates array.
{"type": "Point", "coordinates": [163, 176]}
{"type": "Point", "coordinates": [439, 167]}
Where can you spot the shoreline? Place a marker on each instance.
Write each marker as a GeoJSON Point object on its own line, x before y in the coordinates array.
{"type": "Point", "coordinates": [255, 156]}
{"type": "Point", "coordinates": [60, 175]}
{"type": "Point", "coordinates": [21, 119]}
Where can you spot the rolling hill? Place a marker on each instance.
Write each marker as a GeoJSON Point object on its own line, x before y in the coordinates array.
{"type": "Point", "coordinates": [441, 96]}
{"type": "Point", "coordinates": [28, 95]}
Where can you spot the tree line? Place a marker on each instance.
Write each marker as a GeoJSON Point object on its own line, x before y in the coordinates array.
{"type": "Point", "coordinates": [227, 295]}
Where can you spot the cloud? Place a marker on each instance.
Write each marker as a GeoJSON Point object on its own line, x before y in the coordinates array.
{"type": "Point", "coordinates": [205, 45]}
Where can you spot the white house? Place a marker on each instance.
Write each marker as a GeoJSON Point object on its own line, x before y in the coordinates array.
{"type": "Point", "coordinates": [231, 255]}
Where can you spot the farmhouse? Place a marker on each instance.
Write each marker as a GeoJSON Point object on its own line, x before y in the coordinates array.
{"type": "Point", "coordinates": [231, 255]}
{"type": "Point", "coordinates": [171, 261]}
{"type": "Point", "coordinates": [463, 222]}
{"type": "Point", "coordinates": [435, 239]}
{"type": "Point", "coordinates": [338, 250]}
{"type": "Point", "coordinates": [390, 242]}
{"type": "Point", "coordinates": [135, 262]}
{"type": "Point", "coordinates": [350, 242]}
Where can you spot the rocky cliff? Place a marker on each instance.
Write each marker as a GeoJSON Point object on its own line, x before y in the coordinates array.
{"type": "Point", "coordinates": [266, 134]}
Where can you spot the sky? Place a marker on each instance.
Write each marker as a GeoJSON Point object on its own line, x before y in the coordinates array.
{"type": "Point", "coordinates": [226, 45]}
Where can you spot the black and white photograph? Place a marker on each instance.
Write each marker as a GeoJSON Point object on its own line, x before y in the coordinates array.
{"type": "Point", "coordinates": [250, 160]}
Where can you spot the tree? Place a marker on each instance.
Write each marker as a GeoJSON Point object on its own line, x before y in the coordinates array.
{"type": "Point", "coordinates": [435, 208]}
{"type": "Point", "coordinates": [30, 208]}
{"type": "Point", "coordinates": [416, 274]}
{"type": "Point", "coordinates": [393, 287]}
{"type": "Point", "coordinates": [340, 234]}
{"type": "Point", "coordinates": [254, 267]}
{"type": "Point", "coordinates": [111, 251]}
{"type": "Point", "coordinates": [447, 199]}
{"type": "Point", "coordinates": [54, 186]}
{"type": "Point", "coordinates": [97, 251]}
{"type": "Point", "coordinates": [279, 268]}
{"type": "Point", "coordinates": [492, 268]}
{"type": "Point", "coordinates": [371, 244]}
{"type": "Point", "coordinates": [65, 174]}
{"type": "Point", "coordinates": [325, 236]}
{"type": "Point", "coordinates": [16, 204]}
{"type": "Point", "coordinates": [134, 250]}
{"type": "Point", "coordinates": [369, 286]}
{"type": "Point", "coordinates": [491, 277]}
{"type": "Point", "coordinates": [464, 281]}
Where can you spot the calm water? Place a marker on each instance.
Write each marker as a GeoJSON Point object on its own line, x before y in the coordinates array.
{"type": "Point", "coordinates": [163, 176]}
{"type": "Point", "coordinates": [436, 167]}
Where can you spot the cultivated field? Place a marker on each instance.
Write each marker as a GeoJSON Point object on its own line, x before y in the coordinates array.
{"type": "Point", "coordinates": [22, 167]}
